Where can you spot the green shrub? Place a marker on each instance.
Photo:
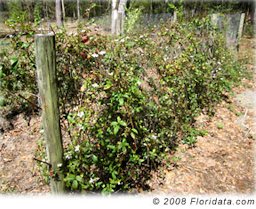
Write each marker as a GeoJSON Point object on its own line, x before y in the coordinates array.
{"type": "Point", "coordinates": [18, 73]}
{"type": "Point", "coordinates": [133, 16]}
{"type": "Point", "coordinates": [125, 100]}
{"type": "Point", "coordinates": [128, 120]}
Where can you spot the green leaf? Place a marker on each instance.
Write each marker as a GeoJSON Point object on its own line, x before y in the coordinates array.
{"type": "Point", "coordinates": [121, 101]}
{"type": "Point", "coordinates": [122, 123]}
{"type": "Point", "coordinates": [1, 71]}
{"type": "Point", "coordinates": [113, 174]}
{"type": "Point", "coordinates": [14, 61]}
{"type": "Point", "coordinates": [172, 6]}
{"type": "Point", "coordinates": [25, 45]}
{"type": "Point", "coordinates": [116, 129]}
{"type": "Point", "coordinates": [2, 101]}
{"type": "Point", "coordinates": [70, 177]}
{"type": "Point", "coordinates": [134, 130]}
{"type": "Point", "coordinates": [99, 183]}
{"type": "Point", "coordinates": [133, 135]}
{"type": "Point", "coordinates": [124, 149]}
{"type": "Point", "coordinates": [108, 85]}
{"type": "Point", "coordinates": [79, 178]}
{"type": "Point", "coordinates": [94, 158]}
{"type": "Point", "coordinates": [111, 147]}
{"type": "Point", "coordinates": [114, 123]}
{"type": "Point", "coordinates": [74, 184]}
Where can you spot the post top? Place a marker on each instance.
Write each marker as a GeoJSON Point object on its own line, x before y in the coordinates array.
{"type": "Point", "coordinates": [45, 34]}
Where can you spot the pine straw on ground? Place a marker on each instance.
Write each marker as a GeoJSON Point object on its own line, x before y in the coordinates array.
{"type": "Point", "coordinates": [18, 170]}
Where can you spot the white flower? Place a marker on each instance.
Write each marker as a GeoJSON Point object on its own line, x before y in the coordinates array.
{"type": "Point", "coordinates": [59, 165]}
{"type": "Point", "coordinates": [95, 55]}
{"type": "Point", "coordinates": [154, 137]}
{"type": "Point", "coordinates": [80, 114]}
{"type": "Point", "coordinates": [68, 156]}
{"type": "Point", "coordinates": [95, 85]}
{"type": "Point", "coordinates": [77, 148]}
{"type": "Point", "coordinates": [70, 33]}
{"type": "Point", "coordinates": [93, 180]}
{"type": "Point", "coordinates": [165, 97]}
{"type": "Point", "coordinates": [219, 63]}
{"type": "Point", "coordinates": [122, 40]}
{"type": "Point", "coordinates": [102, 52]}
{"type": "Point", "coordinates": [112, 73]}
{"type": "Point", "coordinates": [41, 131]}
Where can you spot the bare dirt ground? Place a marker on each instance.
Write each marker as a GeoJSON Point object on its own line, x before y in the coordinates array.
{"type": "Point", "coordinates": [18, 170]}
{"type": "Point", "coordinates": [221, 162]}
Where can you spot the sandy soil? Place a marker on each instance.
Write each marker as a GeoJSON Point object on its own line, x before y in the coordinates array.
{"type": "Point", "coordinates": [221, 162]}
{"type": "Point", "coordinates": [18, 170]}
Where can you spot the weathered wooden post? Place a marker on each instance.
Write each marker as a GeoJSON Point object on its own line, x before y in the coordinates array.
{"type": "Point", "coordinates": [241, 26]}
{"type": "Point", "coordinates": [233, 21]}
{"type": "Point", "coordinates": [46, 72]}
{"type": "Point", "coordinates": [174, 16]}
{"type": "Point", "coordinates": [120, 23]}
{"type": "Point", "coordinates": [229, 24]}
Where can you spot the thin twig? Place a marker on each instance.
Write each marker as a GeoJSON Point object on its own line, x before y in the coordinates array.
{"type": "Point", "coordinates": [32, 103]}
{"type": "Point", "coordinates": [41, 161]}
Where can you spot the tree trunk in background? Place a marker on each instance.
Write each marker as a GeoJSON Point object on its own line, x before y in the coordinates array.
{"type": "Point", "coordinates": [151, 8]}
{"type": "Point", "coordinates": [254, 13]}
{"type": "Point", "coordinates": [121, 15]}
{"type": "Point", "coordinates": [1, 10]}
{"type": "Point", "coordinates": [254, 17]}
{"type": "Point", "coordinates": [74, 15]}
{"type": "Point", "coordinates": [63, 10]}
{"type": "Point", "coordinates": [118, 16]}
{"type": "Point", "coordinates": [114, 16]}
{"type": "Point", "coordinates": [58, 13]}
{"type": "Point", "coordinates": [78, 9]}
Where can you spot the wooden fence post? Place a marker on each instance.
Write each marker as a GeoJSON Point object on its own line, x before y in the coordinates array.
{"type": "Point", "coordinates": [241, 26]}
{"type": "Point", "coordinates": [46, 72]}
